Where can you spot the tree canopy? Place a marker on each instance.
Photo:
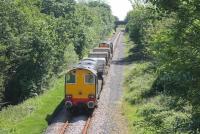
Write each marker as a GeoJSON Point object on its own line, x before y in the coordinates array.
{"type": "Point", "coordinates": [40, 38]}
{"type": "Point", "coordinates": [168, 32]}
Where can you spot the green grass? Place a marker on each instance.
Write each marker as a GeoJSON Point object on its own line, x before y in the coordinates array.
{"type": "Point", "coordinates": [148, 110]}
{"type": "Point", "coordinates": [137, 83]}
{"type": "Point", "coordinates": [32, 116]}
{"type": "Point", "coordinates": [133, 81]}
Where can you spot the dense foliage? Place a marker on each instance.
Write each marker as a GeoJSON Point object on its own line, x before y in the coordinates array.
{"type": "Point", "coordinates": [168, 31]}
{"type": "Point", "coordinates": [40, 38]}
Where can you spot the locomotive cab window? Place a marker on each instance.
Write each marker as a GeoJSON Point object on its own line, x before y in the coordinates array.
{"type": "Point", "coordinates": [71, 77]}
{"type": "Point", "coordinates": [89, 79]}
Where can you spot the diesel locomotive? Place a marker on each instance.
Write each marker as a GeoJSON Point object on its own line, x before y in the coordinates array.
{"type": "Point", "coordinates": [84, 82]}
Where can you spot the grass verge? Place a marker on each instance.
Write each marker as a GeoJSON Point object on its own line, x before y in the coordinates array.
{"type": "Point", "coordinates": [147, 109]}
{"type": "Point", "coordinates": [32, 116]}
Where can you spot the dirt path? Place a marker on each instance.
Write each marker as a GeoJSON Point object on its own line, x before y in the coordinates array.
{"type": "Point", "coordinates": [107, 117]}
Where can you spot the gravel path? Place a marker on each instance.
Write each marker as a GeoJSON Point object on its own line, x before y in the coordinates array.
{"type": "Point", "coordinates": [107, 117]}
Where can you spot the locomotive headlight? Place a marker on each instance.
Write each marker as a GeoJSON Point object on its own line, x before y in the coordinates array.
{"type": "Point", "coordinates": [68, 97]}
{"type": "Point", "coordinates": [91, 96]}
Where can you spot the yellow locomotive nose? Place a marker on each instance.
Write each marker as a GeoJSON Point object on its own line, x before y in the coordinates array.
{"type": "Point", "coordinates": [80, 93]}
{"type": "Point", "coordinates": [81, 87]}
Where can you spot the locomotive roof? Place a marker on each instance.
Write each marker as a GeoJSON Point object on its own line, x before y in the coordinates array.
{"type": "Point", "coordinates": [86, 67]}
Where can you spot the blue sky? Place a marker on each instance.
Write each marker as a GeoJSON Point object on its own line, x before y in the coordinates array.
{"type": "Point", "coordinates": [120, 8]}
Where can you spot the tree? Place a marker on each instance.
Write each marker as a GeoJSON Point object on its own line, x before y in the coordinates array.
{"type": "Point", "coordinates": [40, 38]}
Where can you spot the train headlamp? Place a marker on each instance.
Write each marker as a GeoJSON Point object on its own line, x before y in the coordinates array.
{"type": "Point", "coordinates": [91, 96]}
{"type": "Point", "coordinates": [68, 97]}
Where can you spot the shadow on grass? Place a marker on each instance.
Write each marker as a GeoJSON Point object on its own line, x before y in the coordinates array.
{"type": "Point", "coordinates": [136, 54]}
{"type": "Point", "coordinates": [49, 118]}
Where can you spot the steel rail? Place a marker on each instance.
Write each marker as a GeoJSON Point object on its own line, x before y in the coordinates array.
{"type": "Point", "coordinates": [87, 124]}
{"type": "Point", "coordinates": [64, 127]}
{"type": "Point", "coordinates": [84, 130]}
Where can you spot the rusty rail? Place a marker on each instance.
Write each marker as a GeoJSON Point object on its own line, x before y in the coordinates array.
{"type": "Point", "coordinates": [87, 124]}
{"type": "Point", "coordinates": [64, 127]}
{"type": "Point", "coordinates": [84, 131]}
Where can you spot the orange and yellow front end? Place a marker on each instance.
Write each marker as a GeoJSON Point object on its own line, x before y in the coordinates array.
{"type": "Point", "coordinates": [80, 88]}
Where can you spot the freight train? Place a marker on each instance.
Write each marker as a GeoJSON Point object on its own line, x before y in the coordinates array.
{"type": "Point", "coordinates": [84, 82]}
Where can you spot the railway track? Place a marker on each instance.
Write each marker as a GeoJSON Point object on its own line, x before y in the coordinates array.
{"type": "Point", "coordinates": [73, 124]}
{"type": "Point", "coordinates": [84, 129]}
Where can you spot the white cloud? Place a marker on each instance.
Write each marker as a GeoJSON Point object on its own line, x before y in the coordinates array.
{"type": "Point", "coordinates": [120, 8]}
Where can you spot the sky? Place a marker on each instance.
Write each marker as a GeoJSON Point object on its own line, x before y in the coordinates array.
{"type": "Point", "coordinates": [120, 8]}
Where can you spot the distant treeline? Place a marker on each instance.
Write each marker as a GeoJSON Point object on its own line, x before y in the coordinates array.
{"type": "Point", "coordinates": [168, 33]}
{"type": "Point", "coordinates": [40, 38]}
